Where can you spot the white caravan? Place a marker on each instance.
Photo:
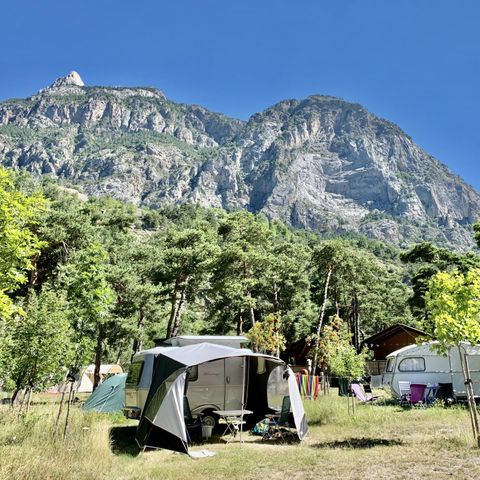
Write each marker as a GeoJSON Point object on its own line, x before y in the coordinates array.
{"type": "Point", "coordinates": [215, 385]}
{"type": "Point", "coordinates": [423, 364]}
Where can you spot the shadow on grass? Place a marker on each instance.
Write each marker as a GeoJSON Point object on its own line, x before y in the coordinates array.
{"type": "Point", "coordinates": [123, 441]}
{"type": "Point", "coordinates": [359, 443]}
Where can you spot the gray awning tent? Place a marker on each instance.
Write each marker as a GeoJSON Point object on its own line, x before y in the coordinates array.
{"type": "Point", "coordinates": [162, 423]}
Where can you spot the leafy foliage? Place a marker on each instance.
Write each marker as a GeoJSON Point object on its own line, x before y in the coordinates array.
{"type": "Point", "coordinates": [129, 275]}
{"type": "Point", "coordinates": [40, 342]}
{"type": "Point", "coordinates": [265, 335]}
{"type": "Point", "coordinates": [453, 299]}
{"type": "Point", "coordinates": [18, 244]}
{"type": "Point", "coordinates": [338, 354]}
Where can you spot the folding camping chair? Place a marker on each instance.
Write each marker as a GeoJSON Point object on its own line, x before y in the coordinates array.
{"type": "Point", "coordinates": [358, 391]}
{"type": "Point", "coordinates": [404, 392]}
{"type": "Point", "coordinates": [417, 394]}
{"type": "Point", "coordinates": [277, 423]}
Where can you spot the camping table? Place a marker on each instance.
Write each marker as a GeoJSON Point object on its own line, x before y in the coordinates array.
{"type": "Point", "coordinates": [233, 418]}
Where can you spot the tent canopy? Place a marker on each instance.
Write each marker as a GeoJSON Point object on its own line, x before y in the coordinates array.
{"type": "Point", "coordinates": [162, 423]}
{"type": "Point", "coordinates": [109, 396]}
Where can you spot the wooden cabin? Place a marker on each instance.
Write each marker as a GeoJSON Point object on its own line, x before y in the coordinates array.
{"type": "Point", "coordinates": [387, 341]}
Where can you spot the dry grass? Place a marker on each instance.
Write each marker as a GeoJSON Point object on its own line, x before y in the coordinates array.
{"type": "Point", "coordinates": [384, 442]}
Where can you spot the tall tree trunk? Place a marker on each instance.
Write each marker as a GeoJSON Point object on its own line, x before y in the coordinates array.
{"type": "Point", "coordinates": [337, 303]}
{"type": "Point", "coordinates": [29, 399]}
{"type": "Point", "coordinates": [276, 305]}
{"type": "Point", "coordinates": [356, 322]}
{"type": "Point", "coordinates": [14, 396]}
{"type": "Point", "coordinates": [252, 316]}
{"type": "Point", "coordinates": [59, 414]}
{"type": "Point", "coordinates": [247, 293]}
{"type": "Point", "coordinates": [33, 280]}
{"type": "Point", "coordinates": [69, 403]}
{"type": "Point", "coordinates": [137, 342]}
{"type": "Point", "coordinates": [320, 319]}
{"type": "Point", "coordinates": [240, 323]}
{"type": "Point", "coordinates": [178, 313]}
{"type": "Point", "coordinates": [98, 355]}
{"type": "Point", "coordinates": [472, 408]}
{"type": "Point", "coordinates": [173, 308]}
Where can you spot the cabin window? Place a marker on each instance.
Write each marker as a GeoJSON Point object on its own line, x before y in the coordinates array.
{"type": "Point", "coordinates": [134, 373]}
{"type": "Point", "coordinates": [412, 364]}
{"type": "Point", "coordinates": [389, 367]}
{"type": "Point", "coordinates": [192, 373]}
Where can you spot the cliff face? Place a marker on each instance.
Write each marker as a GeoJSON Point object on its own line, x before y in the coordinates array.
{"type": "Point", "coordinates": [319, 163]}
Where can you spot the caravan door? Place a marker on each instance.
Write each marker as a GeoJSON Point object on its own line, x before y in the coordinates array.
{"type": "Point", "coordinates": [206, 386]}
{"type": "Point", "coordinates": [234, 378]}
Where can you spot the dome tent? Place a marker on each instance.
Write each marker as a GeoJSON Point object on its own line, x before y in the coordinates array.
{"type": "Point", "coordinates": [162, 422]}
{"type": "Point", "coordinates": [109, 396]}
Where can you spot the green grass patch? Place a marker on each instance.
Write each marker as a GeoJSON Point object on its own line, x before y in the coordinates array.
{"type": "Point", "coordinates": [381, 440]}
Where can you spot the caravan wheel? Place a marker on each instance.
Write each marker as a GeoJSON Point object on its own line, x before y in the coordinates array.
{"type": "Point", "coordinates": [210, 419]}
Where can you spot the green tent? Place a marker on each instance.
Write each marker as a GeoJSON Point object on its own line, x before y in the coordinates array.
{"type": "Point", "coordinates": [109, 396]}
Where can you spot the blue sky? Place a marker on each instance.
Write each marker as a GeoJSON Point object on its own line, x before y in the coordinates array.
{"type": "Point", "coordinates": [414, 62]}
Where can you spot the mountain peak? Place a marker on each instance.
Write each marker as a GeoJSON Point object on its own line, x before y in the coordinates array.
{"type": "Point", "coordinates": [73, 78]}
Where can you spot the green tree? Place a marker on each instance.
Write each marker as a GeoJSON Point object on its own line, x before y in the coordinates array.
{"type": "Point", "coordinates": [287, 284]}
{"type": "Point", "coordinates": [338, 354]}
{"type": "Point", "coordinates": [18, 246]}
{"type": "Point", "coordinates": [183, 267]}
{"type": "Point", "coordinates": [343, 271]}
{"type": "Point", "coordinates": [41, 345]}
{"type": "Point", "coordinates": [426, 260]}
{"type": "Point", "coordinates": [18, 243]}
{"type": "Point", "coordinates": [240, 269]}
{"type": "Point", "coordinates": [453, 298]}
{"type": "Point", "coordinates": [91, 299]}
{"type": "Point", "coordinates": [139, 303]}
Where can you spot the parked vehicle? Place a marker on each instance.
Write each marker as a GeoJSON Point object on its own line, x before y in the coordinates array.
{"type": "Point", "coordinates": [212, 386]}
{"type": "Point", "coordinates": [424, 364]}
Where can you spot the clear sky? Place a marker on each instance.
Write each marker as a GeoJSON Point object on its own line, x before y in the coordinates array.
{"type": "Point", "coordinates": [414, 62]}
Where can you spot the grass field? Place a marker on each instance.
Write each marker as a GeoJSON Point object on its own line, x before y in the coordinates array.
{"type": "Point", "coordinates": [382, 442]}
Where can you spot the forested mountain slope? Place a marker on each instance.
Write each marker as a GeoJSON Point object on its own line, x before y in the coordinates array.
{"type": "Point", "coordinates": [320, 163]}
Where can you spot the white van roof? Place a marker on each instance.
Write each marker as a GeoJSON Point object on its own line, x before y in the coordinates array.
{"type": "Point", "coordinates": [428, 348]}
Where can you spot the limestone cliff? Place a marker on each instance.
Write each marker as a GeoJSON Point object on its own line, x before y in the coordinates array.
{"type": "Point", "coordinates": [319, 163]}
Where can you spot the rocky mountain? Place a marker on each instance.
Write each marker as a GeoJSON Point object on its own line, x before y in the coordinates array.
{"type": "Point", "coordinates": [319, 163]}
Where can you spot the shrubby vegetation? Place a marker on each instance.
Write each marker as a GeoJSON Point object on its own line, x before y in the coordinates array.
{"type": "Point", "coordinates": [116, 277]}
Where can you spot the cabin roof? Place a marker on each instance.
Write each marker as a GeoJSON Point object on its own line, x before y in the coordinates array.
{"type": "Point", "coordinates": [392, 331]}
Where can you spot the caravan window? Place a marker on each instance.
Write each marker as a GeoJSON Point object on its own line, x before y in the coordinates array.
{"type": "Point", "coordinates": [412, 364]}
{"type": "Point", "coordinates": [134, 373]}
{"type": "Point", "coordinates": [192, 373]}
{"type": "Point", "coordinates": [389, 367]}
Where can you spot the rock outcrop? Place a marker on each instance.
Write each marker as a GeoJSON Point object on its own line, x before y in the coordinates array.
{"type": "Point", "coordinates": [319, 163]}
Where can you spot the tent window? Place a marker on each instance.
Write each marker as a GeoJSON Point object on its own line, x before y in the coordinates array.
{"type": "Point", "coordinates": [134, 373]}
{"type": "Point", "coordinates": [192, 373]}
{"type": "Point", "coordinates": [277, 387]}
{"type": "Point", "coordinates": [389, 367]}
{"type": "Point", "coordinates": [413, 364]}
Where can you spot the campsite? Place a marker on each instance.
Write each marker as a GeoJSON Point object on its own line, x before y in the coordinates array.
{"type": "Point", "coordinates": [388, 440]}
{"type": "Point", "coordinates": [324, 432]}
{"type": "Point", "coordinates": [240, 240]}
